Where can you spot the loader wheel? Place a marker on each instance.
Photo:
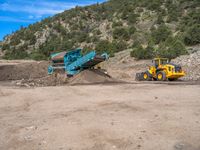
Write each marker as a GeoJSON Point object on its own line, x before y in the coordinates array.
{"type": "Point", "coordinates": [161, 76]}
{"type": "Point", "coordinates": [147, 76]}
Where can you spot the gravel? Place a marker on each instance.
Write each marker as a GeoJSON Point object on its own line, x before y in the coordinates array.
{"type": "Point", "coordinates": [191, 64]}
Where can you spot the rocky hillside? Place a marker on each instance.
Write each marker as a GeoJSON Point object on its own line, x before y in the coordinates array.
{"type": "Point", "coordinates": [152, 28]}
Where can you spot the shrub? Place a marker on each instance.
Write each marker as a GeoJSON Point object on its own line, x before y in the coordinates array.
{"type": "Point", "coordinates": [121, 33]}
{"type": "Point", "coordinates": [132, 30]}
{"type": "Point", "coordinates": [172, 48]}
{"type": "Point", "coordinates": [193, 18]}
{"type": "Point", "coordinates": [98, 32]}
{"type": "Point", "coordinates": [38, 56]}
{"type": "Point", "coordinates": [105, 46]}
{"type": "Point", "coordinates": [141, 53]}
{"type": "Point", "coordinates": [179, 48]}
{"type": "Point", "coordinates": [117, 24]}
{"type": "Point", "coordinates": [32, 40]}
{"type": "Point", "coordinates": [82, 37]}
{"type": "Point", "coordinates": [86, 49]}
{"type": "Point", "coordinates": [124, 15]}
{"type": "Point", "coordinates": [5, 47]}
{"type": "Point", "coordinates": [160, 34]}
{"type": "Point", "coordinates": [59, 28]}
{"type": "Point", "coordinates": [192, 35]}
{"type": "Point", "coordinates": [15, 41]}
{"type": "Point", "coordinates": [136, 43]}
{"type": "Point", "coordinates": [172, 17]}
{"type": "Point", "coordinates": [160, 19]}
{"type": "Point", "coordinates": [132, 18]}
{"type": "Point", "coordinates": [66, 45]}
{"type": "Point", "coordinates": [94, 39]}
{"type": "Point", "coordinates": [110, 48]}
{"type": "Point", "coordinates": [154, 5]}
{"type": "Point", "coordinates": [15, 54]}
{"type": "Point", "coordinates": [119, 46]}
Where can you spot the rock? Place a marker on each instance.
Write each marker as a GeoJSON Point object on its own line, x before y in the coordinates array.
{"type": "Point", "coordinates": [27, 138]}
{"type": "Point", "coordinates": [31, 128]}
{"type": "Point", "coordinates": [191, 64]}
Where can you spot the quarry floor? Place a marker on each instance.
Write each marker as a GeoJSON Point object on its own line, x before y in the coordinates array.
{"type": "Point", "coordinates": [100, 117]}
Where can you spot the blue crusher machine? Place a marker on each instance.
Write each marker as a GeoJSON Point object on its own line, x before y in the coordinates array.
{"type": "Point", "coordinates": [73, 62]}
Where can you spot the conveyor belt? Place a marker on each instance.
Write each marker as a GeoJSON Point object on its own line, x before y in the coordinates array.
{"type": "Point", "coordinates": [93, 62]}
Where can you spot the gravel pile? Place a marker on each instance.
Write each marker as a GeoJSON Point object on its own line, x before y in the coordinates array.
{"type": "Point", "coordinates": [51, 80]}
{"type": "Point", "coordinates": [191, 64]}
{"type": "Point", "coordinates": [85, 77]}
{"type": "Point", "coordinates": [92, 76]}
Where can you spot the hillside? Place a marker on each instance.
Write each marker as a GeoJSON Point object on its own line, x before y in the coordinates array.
{"type": "Point", "coordinates": [165, 28]}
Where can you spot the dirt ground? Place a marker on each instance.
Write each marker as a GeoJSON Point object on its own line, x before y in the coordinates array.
{"type": "Point", "coordinates": [100, 117]}
{"type": "Point", "coordinates": [96, 109]}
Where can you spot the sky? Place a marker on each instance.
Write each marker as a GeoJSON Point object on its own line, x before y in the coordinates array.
{"type": "Point", "coordinates": [17, 13]}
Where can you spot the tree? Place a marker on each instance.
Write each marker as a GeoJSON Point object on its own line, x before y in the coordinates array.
{"type": "Point", "coordinates": [119, 46]}
{"type": "Point", "coordinates": [105, 46]}
{"type": "Point", "coordinates": [117, 24]}
{"type": "Point", "coordinates": [38, 56]}
{"type": "Point", "coordinates": [173, 16]}
{"type": "Point", "coordinates": [160, 34]}
{"type": "Point", "coordinates": [121, 33]}
{"type": "Point", "coordinates": [132, 30]}
{"type": "Point", "coordinates": [160, 19]}
{"type": "Point", "coordinates": [132, 18]}
{"type": "Point", "coordinates": [110, 48]}
{"type": "Point", "coordinates": [5, 47]}
{"type": "Point", "coordinates": [171, 48]}
{"type": "Point", "coordinates": [142, 53]}
{"type": "Point", "coordinates": [192, 35]}
{"type": "Point", "coordinates": [82, 37]}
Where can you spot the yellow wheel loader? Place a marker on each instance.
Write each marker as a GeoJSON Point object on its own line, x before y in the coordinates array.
{"type": "Point", "coordinates": [161, 70]}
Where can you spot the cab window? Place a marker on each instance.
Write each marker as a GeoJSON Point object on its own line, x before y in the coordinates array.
{"type": "Point", "coordinates": [156, 63]}
{"type": "Point", "coordinates": [164, 62]}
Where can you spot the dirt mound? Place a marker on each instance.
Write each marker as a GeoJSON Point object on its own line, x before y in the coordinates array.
{"type": "Point", "coordinates": [91, 77]}
{"type": "Point", "coordinates": [18, 71]}
{"type": "Point", "coordinates": [30, 74]}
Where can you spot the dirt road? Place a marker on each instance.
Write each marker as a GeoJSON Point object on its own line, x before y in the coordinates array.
{"type": "Point", "coordinates": [100, 117]}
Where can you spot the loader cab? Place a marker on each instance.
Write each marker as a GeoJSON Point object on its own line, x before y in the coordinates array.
{"type": "Point", "coordinates": [160, 61]}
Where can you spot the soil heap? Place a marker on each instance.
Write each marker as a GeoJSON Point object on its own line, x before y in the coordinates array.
{"type": "Point", "coordinates": [92, 76]}
{"type": "Point", "coordinates": [30, 74]}
{"type": "Point", "coordinates": [22, 70]}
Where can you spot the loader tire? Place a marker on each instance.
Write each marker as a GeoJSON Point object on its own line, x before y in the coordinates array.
{"type": "Point", "coordinates": [147, 76]}
{"type": "Point", "coordinates": [161, 76]}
